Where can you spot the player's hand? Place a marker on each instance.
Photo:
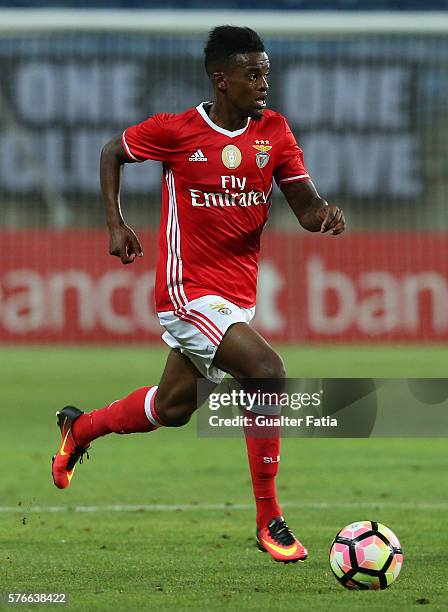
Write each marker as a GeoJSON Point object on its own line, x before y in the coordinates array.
{"type": "Point", "coordinates": [332, 220]}
{"type": "Point", "coordinates": [123, 243]}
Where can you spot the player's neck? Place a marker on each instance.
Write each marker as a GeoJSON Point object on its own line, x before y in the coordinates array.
{"type": "Point", "coordinates": [226, 117]}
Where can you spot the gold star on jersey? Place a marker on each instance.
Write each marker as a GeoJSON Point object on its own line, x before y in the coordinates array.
{"type": "Point", "coordinates": [262, 157]}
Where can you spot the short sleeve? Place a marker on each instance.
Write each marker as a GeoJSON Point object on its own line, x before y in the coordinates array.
{"type": "Point", "coordinates": [151, 139]}
{"type": "Point", "coordinates": [290, 165]}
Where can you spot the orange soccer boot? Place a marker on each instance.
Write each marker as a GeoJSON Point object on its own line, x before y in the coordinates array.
{"type": "Point", "coordinates": [69, 453]}
{"type": "Point", "coordinates": [279, 541]}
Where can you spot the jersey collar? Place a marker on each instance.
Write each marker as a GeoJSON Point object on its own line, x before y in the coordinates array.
{"type": "Point", "coordinates": [217, 128]}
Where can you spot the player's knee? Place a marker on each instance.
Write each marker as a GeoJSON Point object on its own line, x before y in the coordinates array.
{"type": "Point", "coordinates": [176, 420]}
{"type": "Point", "coordinates": [269, 366]}
{"type": "Point", "coordinates": [174, 415]}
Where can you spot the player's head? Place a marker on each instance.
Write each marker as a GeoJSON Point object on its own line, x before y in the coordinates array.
{"type": "Point", "coordinates": [238, 66]}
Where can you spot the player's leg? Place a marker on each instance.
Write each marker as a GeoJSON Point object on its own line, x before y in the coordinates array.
{"type": "Point", "coordinates": [176, 398]}
{"type": "Point", "coordinates": [249, 358]}
{"type": "Point", "coordinates": [146, 409]}
{"type": "Point", "coordinates": [245, 354]}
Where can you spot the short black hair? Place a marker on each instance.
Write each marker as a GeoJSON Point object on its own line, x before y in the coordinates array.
{"type": "Point", "coordinates": [224, 42]}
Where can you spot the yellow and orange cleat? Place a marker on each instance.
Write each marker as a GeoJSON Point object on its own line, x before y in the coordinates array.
{"type": "Point", "coordinates": [69, 453]}
{"type": "Point", "coordinates": [279, 541]}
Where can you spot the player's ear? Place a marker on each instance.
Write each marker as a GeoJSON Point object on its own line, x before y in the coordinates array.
{"type": "Point", "coordinates": [219, 80]}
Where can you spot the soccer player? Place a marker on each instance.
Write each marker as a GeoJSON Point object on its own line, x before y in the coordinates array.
{"type": "Point", "coordinates": [219, 162]}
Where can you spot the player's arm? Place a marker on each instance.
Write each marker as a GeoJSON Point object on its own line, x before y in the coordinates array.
{"type": "Point", "coordinates": [312, 211]}
{"type": "Point", "coordinates": [123, 242]}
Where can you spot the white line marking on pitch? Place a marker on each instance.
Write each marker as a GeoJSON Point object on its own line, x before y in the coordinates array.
{"type": "Point", "coordinates": [23, 509]}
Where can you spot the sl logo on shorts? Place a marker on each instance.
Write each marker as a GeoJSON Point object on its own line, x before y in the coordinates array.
{"type": "Point", "coordinates": [221, 308]}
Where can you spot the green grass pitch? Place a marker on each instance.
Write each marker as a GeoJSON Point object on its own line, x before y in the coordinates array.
{"type": "Point", "coordinates": [196, 551]}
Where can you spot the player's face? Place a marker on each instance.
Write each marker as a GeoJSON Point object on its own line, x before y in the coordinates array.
{"type": "Point", "coordinates": [247, 84]}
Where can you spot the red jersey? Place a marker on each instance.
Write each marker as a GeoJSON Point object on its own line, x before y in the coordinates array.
{"type": "Point", "coordinates": [216, 196]}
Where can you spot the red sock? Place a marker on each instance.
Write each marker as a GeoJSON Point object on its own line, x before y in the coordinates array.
{"type": "Point", "coordinates": [132, 414]}
{"type": "Point", "coordinates": [263, 450]}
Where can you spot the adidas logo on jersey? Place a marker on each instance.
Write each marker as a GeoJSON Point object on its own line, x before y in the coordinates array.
{"type": "Point", "coordinates": [198, 156]}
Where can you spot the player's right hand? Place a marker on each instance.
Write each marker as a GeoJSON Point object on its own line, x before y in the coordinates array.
{"type": "Point", "coordinates": [123, 243]}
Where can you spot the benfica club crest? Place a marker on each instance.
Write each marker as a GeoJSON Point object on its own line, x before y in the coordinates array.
{"type": "Point", "coordinates": [262, 157]}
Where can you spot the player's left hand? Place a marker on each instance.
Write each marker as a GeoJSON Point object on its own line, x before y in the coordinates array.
{"type": "Point", "coordinates": [333, 220]}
